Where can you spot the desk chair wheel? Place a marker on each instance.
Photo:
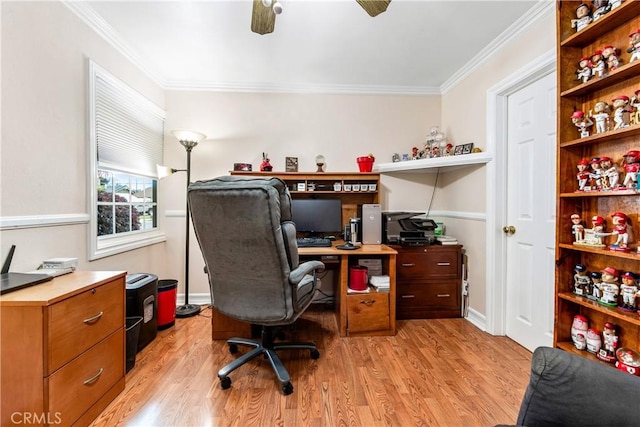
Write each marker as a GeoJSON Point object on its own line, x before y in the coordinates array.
{"type": "Point", "coordinates": [287, 388]}
{"type": "Point", "coordinates": [315, 354]}
{"type": "Point", "coordinates": [233, 348]}
{"type": "Point", "coordinates": [225, 383]}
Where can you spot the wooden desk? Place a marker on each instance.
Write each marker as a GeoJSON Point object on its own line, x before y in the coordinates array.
{"type": "Point", "coordinates": [368, 314]}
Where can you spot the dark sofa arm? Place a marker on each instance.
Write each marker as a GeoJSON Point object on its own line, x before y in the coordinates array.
{"type": "Point", "coordinates": [569, 390]}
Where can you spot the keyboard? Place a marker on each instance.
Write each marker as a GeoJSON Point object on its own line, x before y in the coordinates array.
{"type": "Point", "coordinates": [313, 242]}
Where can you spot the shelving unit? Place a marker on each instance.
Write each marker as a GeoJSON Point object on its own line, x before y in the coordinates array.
{"type": "Point", "coordinates": [610, 29]}
{"type": "Point", "coordinates": [450, 163]}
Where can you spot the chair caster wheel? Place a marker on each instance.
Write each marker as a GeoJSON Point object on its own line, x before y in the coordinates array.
{"type": "Point", "coordinates": [315, 354]}
{"type": "Point", "coordinates": [225, 383]}
{"type": "Point", "coordinates": [287, 388]}
{"type": "Point", "coordinates": [233, 348]}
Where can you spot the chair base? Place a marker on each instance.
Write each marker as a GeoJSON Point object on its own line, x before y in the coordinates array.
{"type": "Point", "coordinates": [268, 348]}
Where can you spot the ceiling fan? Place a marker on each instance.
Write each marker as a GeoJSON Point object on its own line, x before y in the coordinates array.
{"type": "Point", "coordinates": [263, 17]}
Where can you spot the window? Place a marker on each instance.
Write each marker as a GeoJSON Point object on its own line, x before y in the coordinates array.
{"type": "Point", "coordinates": [126, 143]}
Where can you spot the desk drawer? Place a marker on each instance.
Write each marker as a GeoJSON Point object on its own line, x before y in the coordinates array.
{"type": "Point", "coordinates": [443, 295]}
{"type": "Point", "coordinates": [83, 320]}
{"type": "Point", "coordinates": [425, 262]}
{"type": "Point", "coordinates": [368, 312]}
{"type": "Point", "coordinates": [79, 384]}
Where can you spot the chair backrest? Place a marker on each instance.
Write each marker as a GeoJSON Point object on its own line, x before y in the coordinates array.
{"type": "Point", "coordinates": [244, 229]}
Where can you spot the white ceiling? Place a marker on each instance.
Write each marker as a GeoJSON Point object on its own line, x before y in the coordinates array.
{"type": "Point", "coordinates": [331, 45]}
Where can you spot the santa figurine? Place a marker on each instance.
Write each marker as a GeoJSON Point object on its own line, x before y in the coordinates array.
{"type": "Point", "coordinates": [607, 352]}
{"type": "Point", "coordinates": [579, 331]}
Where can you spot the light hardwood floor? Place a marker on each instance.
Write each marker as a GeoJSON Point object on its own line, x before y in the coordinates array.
{"type": "Point", "coordinates": [442, 372]}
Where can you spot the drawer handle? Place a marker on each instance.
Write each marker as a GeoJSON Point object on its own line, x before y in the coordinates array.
{"type": "Point", "coordinates": [444, 263]}
{"type": "Point", "coordinates": [93, 319]}
{"type": "Point", "coordinates": [443, 295]}
{"type": "Point", "coordinates": [408, 296]}
{"type": "Point", "coordinates": [367, 302]}
{"type": "Point", "coordinates": [94, 378]}
{"type": "Point", "coordinates": [408, 265]}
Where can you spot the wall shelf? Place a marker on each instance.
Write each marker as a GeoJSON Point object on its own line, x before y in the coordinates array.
{"type": "Point", "coordinates": [449, 163]}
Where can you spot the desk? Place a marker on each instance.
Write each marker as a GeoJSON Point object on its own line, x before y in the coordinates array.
{"type": "Point", "coordinates": [369, 314]}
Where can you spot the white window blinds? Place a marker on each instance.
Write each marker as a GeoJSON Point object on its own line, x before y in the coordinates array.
{"type": "Point", "coordinates": [129, 129]}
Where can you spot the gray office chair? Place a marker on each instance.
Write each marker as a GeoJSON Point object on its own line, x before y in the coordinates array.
{"type": "Point", "coordinates": [244, 229]}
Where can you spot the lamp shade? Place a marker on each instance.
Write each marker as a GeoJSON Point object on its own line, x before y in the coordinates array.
{"type": "Point", "coordinates": [188, 135]}
{"type": "Point", "coordinates": [164, 171]}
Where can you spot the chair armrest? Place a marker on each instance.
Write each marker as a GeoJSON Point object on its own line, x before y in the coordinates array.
{"type": "Point", "coordinates": [303, 269]}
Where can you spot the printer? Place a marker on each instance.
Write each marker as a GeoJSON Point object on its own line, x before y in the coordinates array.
{"type": "Point", "coordinates": [408, 228]}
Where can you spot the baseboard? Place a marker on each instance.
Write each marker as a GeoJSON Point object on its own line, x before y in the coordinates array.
{"type": "Point", "coordinates": [478, 319]}
{"type": "Point", "coordinates": [198, 299]}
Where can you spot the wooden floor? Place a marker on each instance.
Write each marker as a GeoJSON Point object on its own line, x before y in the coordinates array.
{"type": "Point", "coordinates": [443, 372]}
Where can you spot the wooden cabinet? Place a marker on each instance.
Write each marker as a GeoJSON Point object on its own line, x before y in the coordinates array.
{"type": "Point", "coordinates": [598, 197]}
{"type": "Point", "coordinates": [429, 281]}
{"type": "Point", "coordinates": [63, 349]}
{"type": "Point", "coordinates": [352, 188]}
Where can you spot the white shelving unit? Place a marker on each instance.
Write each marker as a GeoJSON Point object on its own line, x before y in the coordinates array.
{"type": "Point", "coordinates": [450, 163]}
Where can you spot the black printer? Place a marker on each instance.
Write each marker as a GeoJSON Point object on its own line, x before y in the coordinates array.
{"type": "Point", "coordinates": [408, 229]}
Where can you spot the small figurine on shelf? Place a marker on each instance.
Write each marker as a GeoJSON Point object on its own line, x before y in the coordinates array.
{"type": "Point", "coordinates": [320, 162]}
{"type": "Point", "coordinates": [435, 151]}
{"type": "Point", "coordinates": [631, 165]}
{"type": "Point", "coordinates": [596, 283]}
{"type": "Point", "coordinates": [584, 69]}
{"type": "Point", "coordinates": [597, 64]}
{"type": "Point", "coordinates": [265, 166]}
{"type": "Point", "coordinates": [615, 3]}
{"type": "Point", "coordinates": [596, 173]}
{"type": "Point", "coordinates": [583, 17]}
{"type": "Point", "coordinates": [620, 229]}
{"type": "Point", "coordinates": [634, 41]}
{"type": "Point", "coordinates": [601, 116]}
{"type": "Point", "coordinates": [593, 236]}
{"type": "Point", "coordinates": [448, 150]}
{"type": "Point", "coordinates": [610, 173]}
{"type": "Point", "coordinates": [609, 287]}
{"type": "Point", "coordinates": [582, 122]}
{"type": "Point", "coordinates": [577, 229]}
{"type": "Point", "coordinates": [414, 153]}
{"type": "Point", "coordinates": [583, 174]}
{"type": "Point", "coordinates": [610, 55]}
{"type": "Point", "coordinates": [594, 342]}
{"type": "Point", "coordinates": [581, 280]}
{"type": "Point", "coordinates": [579, 329]}
{"type": "Point", "coordinates": [600, 7]}
{"type": "Point", "coordinates": [621, 112]}
{"type": "Point", "coordinates": [607, 352]}
{"type": "Point", "coordinates": [629, 291]}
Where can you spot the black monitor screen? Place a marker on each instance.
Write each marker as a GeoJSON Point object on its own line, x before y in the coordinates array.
{"type": "Point", "coordinates": [317, 215]}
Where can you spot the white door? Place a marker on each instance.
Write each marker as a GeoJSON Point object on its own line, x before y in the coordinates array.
{"type": "Point", "coordinates": [531, 173]}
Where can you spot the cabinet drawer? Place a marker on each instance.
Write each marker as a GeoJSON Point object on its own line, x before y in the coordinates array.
{"type": "Point", "coordinates": [431, 295]}
{"type": "Point", "coordinates": [81, 321]}
{"type": "Point", "coordinates": [368, 312]}
{"type": "Point", "coordinates": [79, 384]}
{"type": "Point", "coordinates": [424, 262]}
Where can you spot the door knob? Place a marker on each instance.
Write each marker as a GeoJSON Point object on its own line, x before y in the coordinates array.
{"type": "Point", "coordinates": [509, 229]}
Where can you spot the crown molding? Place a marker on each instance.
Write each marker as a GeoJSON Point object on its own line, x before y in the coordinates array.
{"type": "Point", "coordinates": [540, 10]}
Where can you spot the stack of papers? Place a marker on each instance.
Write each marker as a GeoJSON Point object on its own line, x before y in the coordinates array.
{"type": "Point", "coordinates": [447, 240]}
{"type": "Point", "coordinates": [380, 283]}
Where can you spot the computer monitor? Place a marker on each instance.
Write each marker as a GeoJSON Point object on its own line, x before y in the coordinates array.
{"type": "Point", "coordinates": [317, 216]}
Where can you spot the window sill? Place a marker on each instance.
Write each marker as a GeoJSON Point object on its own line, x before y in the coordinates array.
{"type": "Point", "coordinates": [117, 245]}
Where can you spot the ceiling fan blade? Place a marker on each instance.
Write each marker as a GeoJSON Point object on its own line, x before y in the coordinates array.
{"type": "Point", "coordinates": [374, 7]}
{"type": "Point", "coordinates": [263, 19]}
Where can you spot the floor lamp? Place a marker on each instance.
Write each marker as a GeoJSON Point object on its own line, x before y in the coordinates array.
{"type": "Point", "coordinates": [188, 139]}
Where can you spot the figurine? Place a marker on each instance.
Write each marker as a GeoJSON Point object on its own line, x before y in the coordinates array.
{"type": "Point", "coordinates": [581, 122]}
{"type": "Point", "coordinates": [265, 166]}
{"type": "Point", "coordinates": [615, 3]}
{"type": "Point", "coordinates": [577, 229]}
{"type": "Point", "coordinates": [581, 280]}
{"type": "Point", "coordinates": [620, 229]}
{"type": "Point", "coordinates": [621, 113]}
{"type": "Point", "coordinates": [596, 280]}
{"type": "Point", "coordinates": [414, 153]}
{"type": "Point", "coordinates": [597, 64]}
{"type": "Point", "coordinates": [631, 165]}
{"type": "Point", "coordinates": [610, 55]}
{"type": "Point", "coordinates": [579, 331]}
{"type": "Point", "coordinates": [584, 69]}
{"type": "Point", "coordinates": [635, 45]}
{"type": "Point", "coordinates": [594, 342]}
{"type": "Point", "coordinates": [629, 291]}
{"type": "Point", "coordinates": [448, 150]}
{"type": "Point", "coordinates": [609, 173]}
{"type": "Point", "coordinates": [320, 161]}
{"type": "Point", "coordinates": [596, 173]}
{"type": "Point", "coordinates": [583, 17]}
{"type": "Point", "coordinates": [609, 287]}
{"type": "Point", "coordinates": [601, 7]}
{"type": "Point", "coordinates": [593, 236]}
{"type": "Point", "coordinates": [435, 151]}
{"type": "Point", "coordinates": [601, 116]}
{"type": "Point", "coordinates": [607, 352]}
{"type": "Point", "coordinates": [583, 174]}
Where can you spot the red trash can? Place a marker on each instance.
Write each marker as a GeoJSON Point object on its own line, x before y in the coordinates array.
{"type": "Point", "coordinates": [358, 277]}
{"type": "Point", "coordinates": [167, 301]}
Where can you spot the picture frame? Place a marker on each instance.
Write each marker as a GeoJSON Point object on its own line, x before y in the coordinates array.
{"type": "Point", "coordinates": [291, 164]}
{"type": "Point", "coordinates": [467, 148]}
{"type": "Point", "coordinates": [458, 150]}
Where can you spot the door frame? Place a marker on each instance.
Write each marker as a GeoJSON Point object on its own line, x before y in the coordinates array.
{"type": "Point", "coordinates": [496, 190]}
